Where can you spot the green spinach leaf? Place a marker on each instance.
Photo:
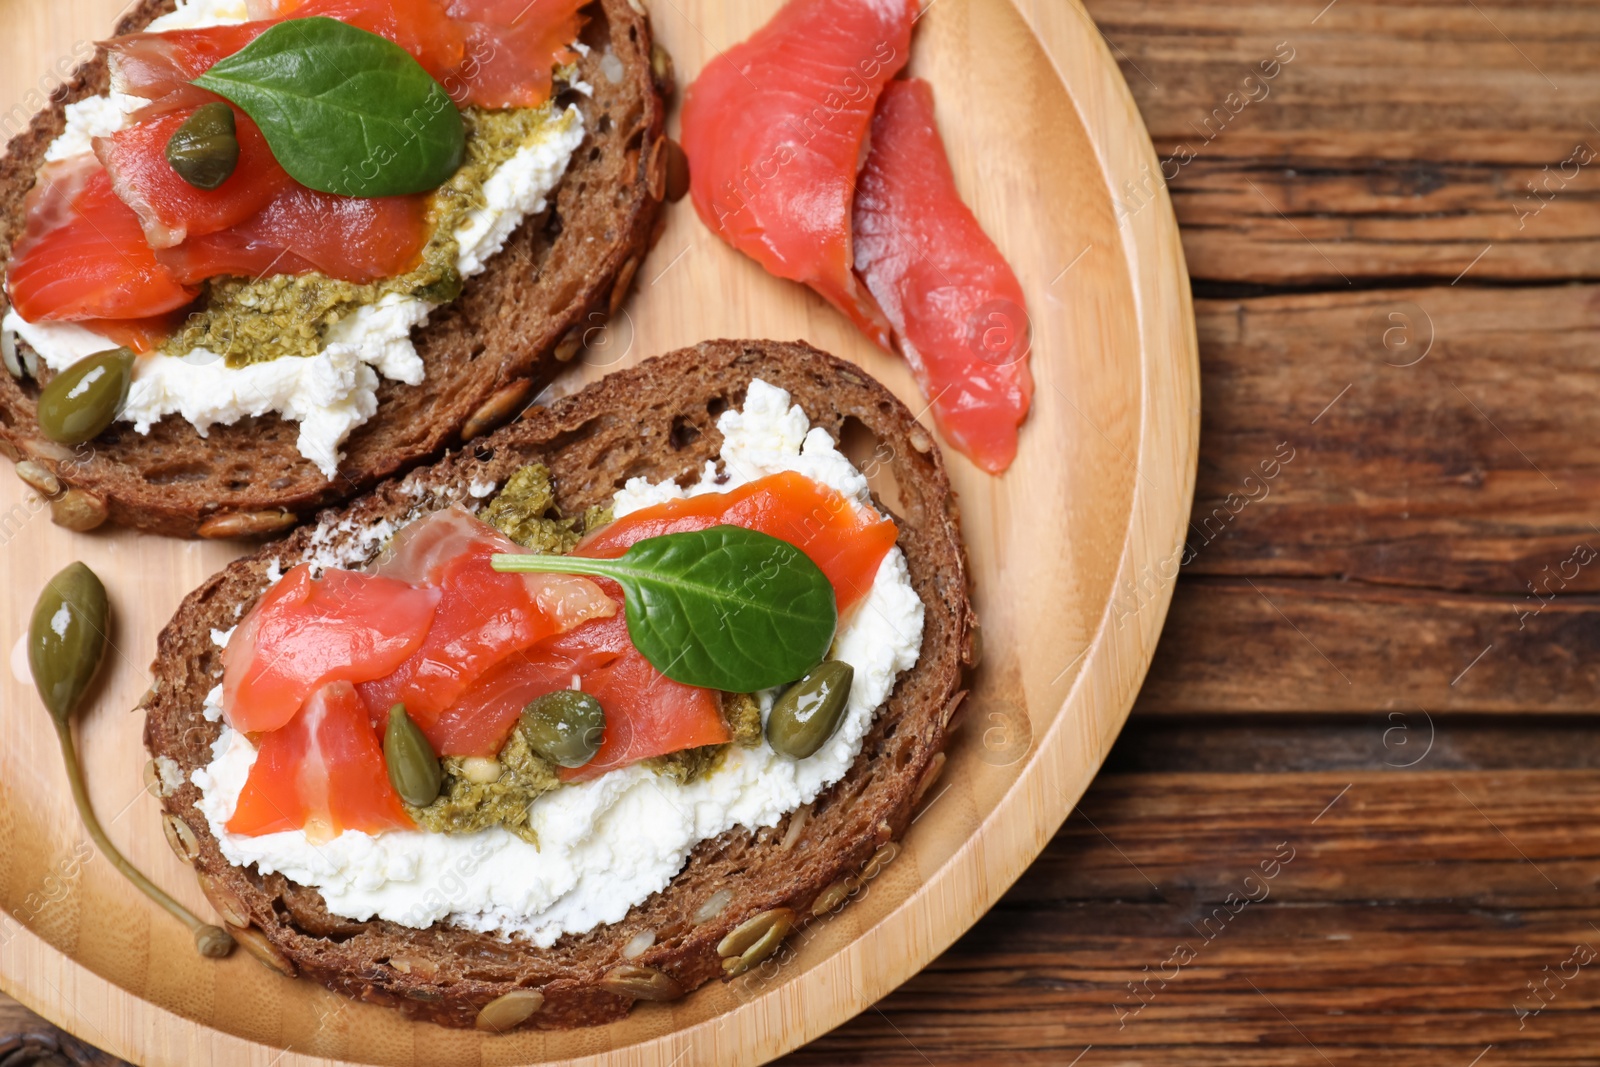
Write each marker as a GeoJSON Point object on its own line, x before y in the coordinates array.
{"type": "Point", "coordinates": [725, 608]}
{"type": "Point", "coordinates": [345, 111]}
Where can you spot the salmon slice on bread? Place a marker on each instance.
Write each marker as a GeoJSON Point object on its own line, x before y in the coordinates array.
{"type": "Point", "coordinates": [486, 354]}
{"type": "Point", "coordinates": [659, 421]}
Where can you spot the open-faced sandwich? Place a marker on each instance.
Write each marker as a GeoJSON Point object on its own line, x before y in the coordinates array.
{"type": "Point", "coordinates": [594, 711]}
{"type": "Point", "coordinates": [260, 255]}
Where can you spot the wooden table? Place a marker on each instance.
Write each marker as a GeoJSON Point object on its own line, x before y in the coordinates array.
{"type": "Point", "coordinates": [1350, 819]}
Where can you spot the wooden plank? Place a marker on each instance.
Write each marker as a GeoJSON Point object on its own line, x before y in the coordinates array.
{"type": "Point", "coordinates": [27, 1040]}
{"type": "Point", "coordinates": [1404, 927]}
{"type": "Point", "coordinates": [1360, 78]}
{"type": "Point", "coordinates": [1325, 144]}
{"type": "Point", "coordinates": [1371, 516]}
{"type": "Point", "coordinates": [1392, 741]}
{"type": "Point", "coordinates": [1312, 223]}
{"type": "Point", "coordinates": [1436, 437]}
{"type": "Point", "coordinates": [1287, 645]}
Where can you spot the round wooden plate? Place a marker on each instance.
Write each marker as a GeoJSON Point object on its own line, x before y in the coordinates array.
{"type": "Point", "coordinates": [1073, 555]}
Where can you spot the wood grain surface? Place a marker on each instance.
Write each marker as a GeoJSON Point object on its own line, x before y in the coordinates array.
{"type": "Point", "coordinates": [1106, 465]}
{"type": "Point", "coordinates": [1397, 615]}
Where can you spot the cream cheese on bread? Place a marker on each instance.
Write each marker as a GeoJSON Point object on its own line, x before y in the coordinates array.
{"type": "Point", "coordinates": [608, 844]}
{"type": "Point", "coordinates": [335, 391]}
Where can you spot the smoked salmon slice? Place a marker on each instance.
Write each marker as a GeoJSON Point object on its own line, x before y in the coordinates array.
{"type": "Point", "coordinates": [304, 633]}
{"type": "Point", "coordinates": [323, 772]}
{"type": "Point", "coordinates": [807, 156]}
{"type": "Point", "coordinates": [169, 208]}
{"type": "Point", "coordinates": [485, 53]}
{"type": "Point", "coordinates": [846, 543]}
{"type": "Point", "coordinates": [957, 309]}
{"type": "Point", "coordinates": [141, 335]}
{"type": "Point", "coordinates": [422, 27]}
{"type": "Point", "coordinates": [513, 48]}
{"type": "Point", "coordinates": [493, 643]}
{"type": "Point", "coordinates": [647, 715]}
{"type": "Point", "coordinates": [353, 239]}
{"type": "Point", "coordinates": [480, 720]}
{"type": "Point", "coordinates": [775, 129]}
{"type": "Point", "coordinates": [83, 254]}
{"type": "Point", "coordinates": [483, 616]}
{"type": "Point", "coordinates": [159, 66]}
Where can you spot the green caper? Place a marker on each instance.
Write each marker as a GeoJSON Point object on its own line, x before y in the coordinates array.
{"type": "Point", "coordinates": [81, 401]}
{"type": "Point", "coordinates": [414, 769]}
{"type": "Point", "coordinates": [205, 149]}
{"type": "Point", "coordinates": [810, 710]}
{"type": "Point", "coordinates": [67, 638]}
{"type": "Point", "coordinates": [565, 727]}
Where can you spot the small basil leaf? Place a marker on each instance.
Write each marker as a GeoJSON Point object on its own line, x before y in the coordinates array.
{"type": "Point", "coordinates": [724, 608]}
{"type": "Point", "coordinates": [343, 110]}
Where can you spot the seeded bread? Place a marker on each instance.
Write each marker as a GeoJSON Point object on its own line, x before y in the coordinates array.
{"type": "Point", "coordinates": [657, 420]}
{"type": "Point", "coordinates": [561, 274]}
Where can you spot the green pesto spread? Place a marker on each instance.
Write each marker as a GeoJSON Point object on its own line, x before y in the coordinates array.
{"type": "Point", "coordinates": [251, 320]}
{"type": "Point", "coordinates": [743, 712]}
{"type": "Point", "coordinates": [525, 511]}
{"type": "Point", "coordinates": [474, 797]}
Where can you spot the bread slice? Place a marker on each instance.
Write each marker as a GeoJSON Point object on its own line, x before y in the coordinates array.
{"type": "Point", "coordinates": [657, 420]}
{"type": "Point", "coordinates": [486, 354]}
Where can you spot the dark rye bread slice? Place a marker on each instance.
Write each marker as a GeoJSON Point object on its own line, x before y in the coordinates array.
{"type": "Point", "coordinates": [486, 354]}
{"type": "Point", "coordinates": [657, 420]}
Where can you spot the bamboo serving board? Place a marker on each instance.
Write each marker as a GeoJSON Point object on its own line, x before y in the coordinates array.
{"type": "Point", "coordinates": [1073, 553]}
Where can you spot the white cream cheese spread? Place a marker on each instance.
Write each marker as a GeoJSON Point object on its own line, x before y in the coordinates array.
{"type": "Point", "coordinates": [604, 845]}
{"type": "Point", "coordinates": [331, 393]}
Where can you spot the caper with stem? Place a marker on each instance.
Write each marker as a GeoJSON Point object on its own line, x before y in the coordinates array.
{"type": "Point", "coordinates": [205, 149]}
{"type": "Point", "coordinates": [66, 642]}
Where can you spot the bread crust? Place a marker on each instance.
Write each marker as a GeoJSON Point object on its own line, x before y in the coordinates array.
{"type": "Point", "coordinates": [488, 353]}
{"type": "Point", "coordinates": [657, 420]}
